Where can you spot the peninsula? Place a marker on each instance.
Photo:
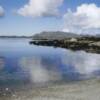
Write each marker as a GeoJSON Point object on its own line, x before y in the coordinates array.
{"type": "Point", "coordinates": [88, 43]}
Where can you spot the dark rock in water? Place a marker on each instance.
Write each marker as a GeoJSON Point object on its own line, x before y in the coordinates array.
{"type": "Point", "coordinates": [88, 44]}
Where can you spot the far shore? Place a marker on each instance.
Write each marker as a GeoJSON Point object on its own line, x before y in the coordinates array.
{"type": "Point", "coordinates": [88, 44]}
{"type": "Point", "coordinates": [6, 37]}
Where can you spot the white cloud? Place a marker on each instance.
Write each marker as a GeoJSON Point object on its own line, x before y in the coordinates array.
{"type": "Point", "coordinates": [86, 19]}
{"type": "Point", "coordinates": [1, 11]}
{"type": "Point", "coordinates": [36, 8]}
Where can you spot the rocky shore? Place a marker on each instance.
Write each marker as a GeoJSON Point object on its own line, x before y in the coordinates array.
{"type": "Point", "coordinates": [88, 44]}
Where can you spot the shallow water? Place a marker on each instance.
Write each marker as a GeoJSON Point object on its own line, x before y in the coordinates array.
{"type": "Point", "coordinates": [24, 66]}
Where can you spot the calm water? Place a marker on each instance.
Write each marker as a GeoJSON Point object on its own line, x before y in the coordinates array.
{"type": "Point", "coordinates": [22, 63]}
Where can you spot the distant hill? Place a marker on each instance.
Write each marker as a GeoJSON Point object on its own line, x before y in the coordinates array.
{"type": "Point", "coordinates": [55, 35]}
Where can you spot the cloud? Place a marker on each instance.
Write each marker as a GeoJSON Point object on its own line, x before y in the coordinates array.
{"type": "Point", "coordinates": [86, 19]}
{"type": "Point", "coordinates": [37, 8]}
{"type": "Point", "coordinates": [1, 11]}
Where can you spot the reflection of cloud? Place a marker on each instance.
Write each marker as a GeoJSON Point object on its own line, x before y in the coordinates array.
{"type": "Point", "coordinates": [33, 66]}
{"type": "Point", "coordinates": [1, 11]}
{"type": "Point", "coordinates": [39, 72]}
{"type": "Point", "coordinates": [84, 63]}
{"type": "Point", "coordinates": [71, 66]}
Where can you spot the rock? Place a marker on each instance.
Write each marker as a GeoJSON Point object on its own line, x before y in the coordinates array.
{"type": "Point", "coordinates": [86, 44]}
{"type": "Point", "coordinates": [95, 44]}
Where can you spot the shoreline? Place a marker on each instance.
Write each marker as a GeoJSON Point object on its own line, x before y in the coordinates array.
{"type": "Point", "coordinates": [88, 44]}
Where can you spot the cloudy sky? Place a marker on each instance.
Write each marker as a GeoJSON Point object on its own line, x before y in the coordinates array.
{"type": "Point", "coordinates": [27, 17]}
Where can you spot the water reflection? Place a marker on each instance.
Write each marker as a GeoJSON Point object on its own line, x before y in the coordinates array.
{"type": "Point", "coordinates": [69, 66]}
{"type": "Point", "coordinates": [27, 64]}
{"type": "Point", "coordinates": [40, 69]}
{"type": "Point", "coordinates": [85, 63]}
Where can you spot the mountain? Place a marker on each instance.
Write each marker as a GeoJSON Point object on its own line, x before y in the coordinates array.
{"type": "Point", "coordinates": [55, 35]}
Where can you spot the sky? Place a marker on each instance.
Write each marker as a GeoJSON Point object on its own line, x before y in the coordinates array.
{"type": "Point", "coordinates": [28, 17]}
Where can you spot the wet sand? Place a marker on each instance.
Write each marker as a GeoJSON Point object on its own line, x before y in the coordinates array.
{"type": "Point", "coordinates": [82, 90]}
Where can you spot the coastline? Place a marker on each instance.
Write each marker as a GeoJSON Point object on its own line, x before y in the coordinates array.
{"type": "Point", "coordinates": [88, 44]}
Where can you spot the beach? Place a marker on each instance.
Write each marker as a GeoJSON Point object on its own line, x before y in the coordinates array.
{"type": "Point", "coordinates": [81, 90]}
